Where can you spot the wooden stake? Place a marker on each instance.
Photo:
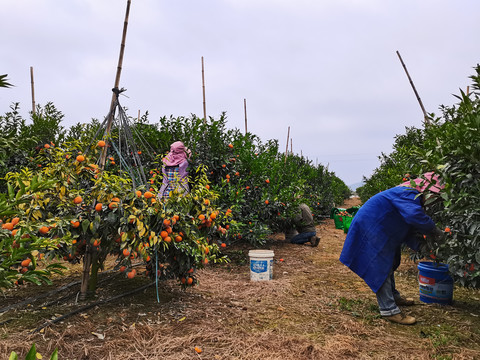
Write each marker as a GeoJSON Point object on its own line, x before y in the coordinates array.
{"type": "Point", "coordinates": [203, 88]}
{"type": "Point", "coordinates": [138, 118]}
{"type": "Point", "coordinates": [427, 120]}
{"type": "Point", "coordinates": [117, 83]}
{"type": "Point", "coordinates": [291, 146]}
{"type": "Point", "coordinates": [33, 89]}
{"type": "Point", "coordinates": [286, 150]}
{"type": "Point", "coordinates": [468, 90]}
{"type": "Point", "coordinates": [245, 110]}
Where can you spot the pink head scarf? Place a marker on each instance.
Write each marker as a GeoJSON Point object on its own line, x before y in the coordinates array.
{"type": "Point", "coordinates": [430, 182]}
{"type": "Point", "coordinates": [178, 154]}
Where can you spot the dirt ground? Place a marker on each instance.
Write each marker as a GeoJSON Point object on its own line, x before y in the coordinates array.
{"type": "Point", "coordinates": [314, 308]}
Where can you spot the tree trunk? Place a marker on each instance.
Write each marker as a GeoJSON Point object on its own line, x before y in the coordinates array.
{"type": "Point", "coordinates": [87, 263]}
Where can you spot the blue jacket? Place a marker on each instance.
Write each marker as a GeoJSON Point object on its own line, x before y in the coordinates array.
{"type": "Point", "coordinates": [379, 228]}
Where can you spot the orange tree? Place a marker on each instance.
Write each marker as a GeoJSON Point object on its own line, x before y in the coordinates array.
{"type": "Point", "coordinates": [21, 244]}
{"type": "Point", "coordinates": [90, 214]}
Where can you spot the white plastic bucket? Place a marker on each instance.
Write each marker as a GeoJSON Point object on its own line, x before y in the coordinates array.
{"type": "Point", "coordinates": [261, 265]}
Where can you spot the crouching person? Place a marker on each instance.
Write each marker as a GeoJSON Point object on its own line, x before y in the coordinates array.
{"type": "Point", "coordinates": [305, 226]}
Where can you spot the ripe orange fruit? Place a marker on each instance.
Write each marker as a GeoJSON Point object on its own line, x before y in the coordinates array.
{"type": "Point", "coordinates": [189, 281]}
{"type": "Point", "coordinates": [227, 176]}
{"type": "Point", "coordinates": [132, 274]}
{"type": "Point", "coordinates": [447, 230]}
{"type": "Point", "coordinates": [46, 146]}
{"type": "Point", "coordinates": [207, 202]}
{"type": "Point", "coordinates": [176, 217]}
{"type": "Point", "coordinates": [205, 261]}
{"type": "Point", "coordinates": [126, 252]}
{"type": "Point", "coordinates": [207, 250]}
{"type": "Point", "coordinates": [26, 262]}
{"type": "Point", "coordinates": [15, 221]}
{"type": "Point", "coordinates": [98, 207]}
{"type": "Point", "coordinates": [96, 243]}
{"type": "Point", "coordinates": [80, 158]}
{"type": "Point", "coordinates": [223, 166]}
{"type": "Point", "coordinates": [267, 181]}
{"type": "Point", "coordinates": [237, 173]}
{"type": "Point", "coordinates": [14, 232]}
{"type": "Point", "coordinates": [169, 230]}
{"type": "Point", "coordinates": [139, 152]}
{"type": "Point", "coordinates": [213, 216]}
{"type": "Point", "coordinates": [183, 280]}
{"type": "Point", "coordinates": [190, 271]}
{"type": "Point", "coordinates": [44, 230]}
{"type": "Point", "coordinates": [148, 195]}
{"type": "Point", "coordinates": [113, 205]}
{"type": "Point", "coordinates": [77, 200]}
{"type": "Point", "coordinates": [122, 268]}
{"type": "Point", "coordinates": [223, 245]}
{"type": "Point", "coordinates": [139, 193]}
{"type": "Point", "coordinates": [201, 217]}
{"type": "Point", "coordinates": [198, 350]}
{"type": "Point", "coordinates": [207, 186]}
{"type": "Point", "coordinates": [163, 234]}
{"type": "Point", "coordinates": [266, 202]}
{"type": "Point", "coordinates": [178, 238]}
{"type": "Point", "coordinates": [166, 222]}
{"type": "Point", "coordinates": [8, 226]}
{"type": "Point", "coordinates": [101, 144]}
{"type": "Point", "coordinates": [168, 239]}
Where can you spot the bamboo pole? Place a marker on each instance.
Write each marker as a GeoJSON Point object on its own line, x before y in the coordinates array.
{"type": "Point", "coordinates": [427, 121]}
{"type": "Point", "coordinates": [286, 150]}
{"type": "Point", "coordinates": [291, 146]}
{"type": "Point", "coordinates": [33, 89]}
{"type": "Point", "coordinates": [138, 117]}
{"type": "Point", "coordinates": [203, 89]}
{"type": "Point", "coordinates": [87, 259]}
{"type": "Point", "coordinates": [117, 83]}
{"type": "Point", "coordinates": [245, 111]}
{"type": "Point", "coordinates": [468, 90]}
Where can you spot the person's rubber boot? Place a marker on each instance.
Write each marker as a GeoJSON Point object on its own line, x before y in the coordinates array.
{"type": "Point", "coordinates": [401, 319]}
{"type": "Point", "coordinates": [314, 240]}
{"type": "Point", "coordinates": [402, 301]}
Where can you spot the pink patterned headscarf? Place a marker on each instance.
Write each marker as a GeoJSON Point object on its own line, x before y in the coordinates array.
{"type": "Point", "coordinates": [429, 180]}
{"type": "Point", "coordinates": [178, 154]}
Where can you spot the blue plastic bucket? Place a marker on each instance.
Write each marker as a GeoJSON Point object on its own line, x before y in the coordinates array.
{"type": "Point", "coordinates": [435, 283]}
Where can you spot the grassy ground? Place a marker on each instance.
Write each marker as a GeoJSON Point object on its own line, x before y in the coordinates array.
{"type": "Point", "coordinates": [314, 308]}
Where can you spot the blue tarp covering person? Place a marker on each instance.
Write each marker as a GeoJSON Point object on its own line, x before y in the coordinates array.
{"type": "Point", "coordinates": [381, 226]}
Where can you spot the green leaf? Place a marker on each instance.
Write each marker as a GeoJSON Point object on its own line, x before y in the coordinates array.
{"type": "Point", "coordinates": [54, 355]}
{"type": "Point", "coordinates": [85, 225]}
{"type": "Point", "coordinates": [32, 354]}
{"type": "Point", "coordinates": [13, 356]}
{"type": "Point", "coordinates": [11, 193]}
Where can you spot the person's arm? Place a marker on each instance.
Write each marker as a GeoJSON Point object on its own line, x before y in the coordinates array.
{"type": "Point", "coordinates": [410, 208]}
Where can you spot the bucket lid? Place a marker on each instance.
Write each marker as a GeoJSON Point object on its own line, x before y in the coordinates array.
{"type": "Point", "coordinates": [261, 253]}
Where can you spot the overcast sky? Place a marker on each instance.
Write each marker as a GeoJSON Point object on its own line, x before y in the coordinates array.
{"type": "Point", "coordinates": [326, 68]}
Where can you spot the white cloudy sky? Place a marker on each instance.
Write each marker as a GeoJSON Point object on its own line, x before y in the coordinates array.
{"type": "Point", "coordinates": [326, 68]}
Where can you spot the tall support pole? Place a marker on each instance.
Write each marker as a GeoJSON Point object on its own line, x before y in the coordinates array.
{"type": "Point", "coordinates": [203, 90]}
{"type": "Point", "coordinates": [117, 83]}
{"type": "Point", "coordinates": [33, 89]}
{"type": "Point", "coordinates": [291, 146]}
{"type": "Point", "coordinates": [245, 111]}
{"type": "Point", "coordinates": [286, 150]}
{"type": "Point", "coordinates": [427, 120]}
{"type": "Point", "coordinates": [88, 258]}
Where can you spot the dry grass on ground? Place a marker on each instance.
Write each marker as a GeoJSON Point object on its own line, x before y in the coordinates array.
{"type": "Point", "coordinates": [314, 308]}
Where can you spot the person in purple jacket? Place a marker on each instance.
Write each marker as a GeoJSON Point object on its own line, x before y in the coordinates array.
{"type": "Point", "coordinates": [372, 248]}
{"type": "Point", "coordinates": [174, 170]}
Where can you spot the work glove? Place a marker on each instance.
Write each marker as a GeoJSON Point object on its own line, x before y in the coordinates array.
{"type": "Point", "coordinates": [438, 235]}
